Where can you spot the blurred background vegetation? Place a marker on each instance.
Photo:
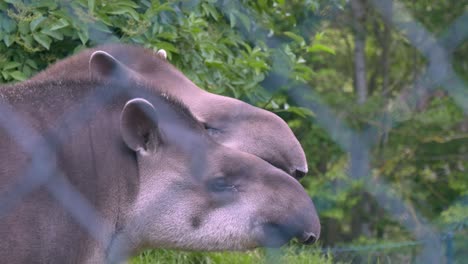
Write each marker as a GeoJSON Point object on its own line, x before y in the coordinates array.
{"type": "Point", "coordinates": [347, 75]}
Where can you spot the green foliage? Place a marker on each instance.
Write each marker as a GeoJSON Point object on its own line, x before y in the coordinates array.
{"type": "Point", "coordinates": [229, 47]}
{"type": "Point", "coordinates": [299, 255]}
{"type": "Point", "coordinates": [198, 41]}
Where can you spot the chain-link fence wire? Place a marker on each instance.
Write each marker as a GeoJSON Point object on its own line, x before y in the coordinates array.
{"type": "Point", "coordinates": [453, 243]}
{"type": "Point", "coordinates": [43, 170]}
{"type": "Point", "coordinates": [430, 246]}
{"type": "Point", "coordinates": [358, 143]}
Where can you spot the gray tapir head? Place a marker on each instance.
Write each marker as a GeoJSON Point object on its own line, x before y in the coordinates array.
{"type": "Point", "coordinates": [197, 194]}
{"type": "Point", "coordinates": [229, 121]}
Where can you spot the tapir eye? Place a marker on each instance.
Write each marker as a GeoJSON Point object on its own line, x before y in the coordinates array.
{"type": "Point", "coordinates": [220, 185]}
{"type": "Point", "coordinates": [212, 131]}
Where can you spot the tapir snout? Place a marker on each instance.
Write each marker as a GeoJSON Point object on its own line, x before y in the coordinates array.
{"type": "Point", "coordinates": [293, 215]}
{"type": "Point", "coordinates": [304, 226]}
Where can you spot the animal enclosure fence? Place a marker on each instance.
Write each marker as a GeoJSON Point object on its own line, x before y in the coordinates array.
{"type": "Point", "coordinates": [430, 245]}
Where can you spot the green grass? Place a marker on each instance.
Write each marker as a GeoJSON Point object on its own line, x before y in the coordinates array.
{"type": "Point", "coordinates": [298, 255]}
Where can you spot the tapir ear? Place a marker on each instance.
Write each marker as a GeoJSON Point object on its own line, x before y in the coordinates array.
{"type": "Point", "coordinates": [162, 54]}
{"type": "Point", "coordinates": [104, 66]}
{"type": "Point", "coordinates": [138, 126]}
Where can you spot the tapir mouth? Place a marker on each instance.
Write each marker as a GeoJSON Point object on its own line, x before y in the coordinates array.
{"type": "Point", "coordinates": [276, 235]}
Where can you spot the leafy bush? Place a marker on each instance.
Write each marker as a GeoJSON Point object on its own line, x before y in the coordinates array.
{"type": "Point", "coordinates": [197, 37]}
{"type": "Point", "coordinates": [295, 255]}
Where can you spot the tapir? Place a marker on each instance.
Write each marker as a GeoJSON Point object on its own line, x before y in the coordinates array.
{"type": "Point", "coordinates": [146, 167]}
{"type": "Point", "coordinates": [229, 121]}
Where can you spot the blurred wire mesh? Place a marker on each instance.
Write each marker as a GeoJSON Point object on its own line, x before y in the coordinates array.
{"type": "Point", "coordinates": [430, 245]}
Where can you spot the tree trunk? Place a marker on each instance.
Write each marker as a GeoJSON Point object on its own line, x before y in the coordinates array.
{"type": "Point", "coordinates": [386, 57]}
{"type": "Point", "coordinates": [359, 17]}
{"type": "Point", "coordinates": [359, 158]}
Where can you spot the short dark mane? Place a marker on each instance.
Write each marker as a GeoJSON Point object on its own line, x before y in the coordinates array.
{"type": "Point", "coordinates": [85, 86]}
{"type": "Point", "coordinates": [182, 109]}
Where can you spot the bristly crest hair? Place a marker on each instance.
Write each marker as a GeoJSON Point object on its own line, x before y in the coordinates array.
{"type": "Point", "coordinates": [85, 84]}
{"type": "Point", "coordinates": [182, 109]}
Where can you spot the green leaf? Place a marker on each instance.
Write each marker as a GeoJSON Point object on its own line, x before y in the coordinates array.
{"type": "Point", "coordinates": [36, 22]}
{"type": "Point", "coordinates": [27, 70]}
{"type": "Point", "coordinates": [55, 34]}
{"type": "Point", "coordinates": [128, 3]}
{"type": "Point", "coordinates": [8, 40]}
{"type": "Point", "coordinates": [59, 24]}
{"type": "Point", "coordinates": [49, 4]}
{"type": "Point", "coordinates": [214, 63]}
{"type": "Point", "coordinates": [245, 20]}
{"type": "Point", "coordinates": [301, 111]}
{"type": "Point", "coordinates": [32, 64]}
{"type": "Point", "coordinates": [12, 1]}
{"type": "Point", "coordinates": [168, 35]}
{"type": "Point", "coordinates": [169, 47]}
{"type": "Point", "coordinates": [155, 9]}
{"type": "Point", "coordinates": [320, 48]}
{"type": "Point", "coordinates": [210, 10]}
{"type": "Point", "coordinates": [28, 40]}
{"type": "Point", "coordinates": [19, 76]}
{"type": "Point", "coordinates": [232, 20]}
{"type": "Point", "coordinates": [101, 27]}
{"type": "Point", "coordinates": [5, 75]}
{"type": "Point", "coordinates": [8, 24]}
{"type": "Point", "coordinates": [121, 10]}
{"type": "Point", "coordinates": [23, 27]}
{"type": "Point", "coordinates": [105, 19]}
{"type": "Point", "coordinates": [295, 37]}
{"type": "Point", "coordinates": [84, 36]}
{"type": "Point", "coordinates": [11, 65]}
{"type": "Point", "coordinates": [42, 39]}
{"type": "Point", "coordinates": [91, 4]}
{"type": "Point", "coordinates": [78, 48]}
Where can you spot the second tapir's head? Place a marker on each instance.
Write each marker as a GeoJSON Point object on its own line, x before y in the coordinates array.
{"type": "Point", "coordinates": [229, 121]}
{"type": "Point", "coordinates": [197, 194]}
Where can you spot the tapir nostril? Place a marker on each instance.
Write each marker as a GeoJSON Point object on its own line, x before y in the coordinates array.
{"type": "Point", "coordinates": [299, 174]}
{"type": "Point", "coordinates": [309, 238]}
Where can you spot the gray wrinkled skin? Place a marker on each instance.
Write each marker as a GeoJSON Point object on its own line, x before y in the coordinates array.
{"type": "Point", "coordinates": [230, 122]}
{"type": "Point", "coordinates": [150, 170]}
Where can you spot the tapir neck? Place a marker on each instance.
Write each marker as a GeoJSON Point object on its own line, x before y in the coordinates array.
{"type": "Point", "coordinates": [97, 159]}
{"type": "Point", "coordinates": [101, 173]}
